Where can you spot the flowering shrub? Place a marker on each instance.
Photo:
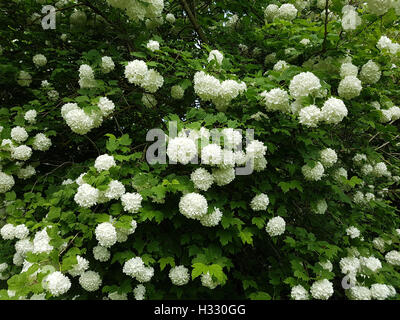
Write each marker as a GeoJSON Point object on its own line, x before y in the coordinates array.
{"type": "Point", "coordinates": [85, 214]}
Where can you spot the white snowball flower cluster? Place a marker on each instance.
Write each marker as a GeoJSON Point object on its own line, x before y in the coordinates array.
{"type": "Point", "coordinates": [207, 281]}
{"type": "Point", "coordinates": [106, 234]}
{"type": "Point", "coordinates": [22, 153]}
{"type": "Point", "coordinates": [177, 92]}
{"type": "Point", "coordinates": [8, 231]}
{"type": "Point", "coordinates": [24, 79]}
{"type": "Point", "coordinates": [153, 45]}
{"type": "Point", "coordinates": [287, 11]}
{"type": "Point", "coordinates": [270, 12]}
{"type": "Point", "coordinates": [19, 134]}
{"type": "Point", "coordinates": [327, 265]}
{"type": "Point", "coordinates": [339, 174]}
{"type": "Point", "coordinates": [260, 202]}
{"type": "Point", "coordinates": [39, 60]}
{"type": "Point", "coordinates": [170, 18]}
{"type": "Point", "coordinates": [30, 116]}
{"type": "Point", "coordinates": [310, 116]}
{"type": "Point", "coordinates": [107, 64]}
{"type": "Point", "coordinates": [350, 20]}
{"type": "Point", "coordinates": [212, 219]}
{"type": "Point", "coordinates": [41, 142]}
{"type": "Point", "coordinates": [6, 182]}
{"type": "Point", "coordinates": [349, 265]}
{"type": "Point", "coordinates": [90, 281]}
{"type": "Point", "coordinates": [86, 76]}
{"type": "Point", "coordinates": [305, 41]}
{"type": "Point", "coordinates": [101, 254]}
{"type": "Point", "coordinates": [281, 65]}
{"type": "Point", "coordinates": [386, 45]}
{"type": "Point", "coordinates": [149, 79]}
{"type": "Point", "coordinates": [181, 150]}
{"type": "Point", "coordinates": [41, 242]}
{"type": "Point", "coordinates": [276, 226]}
{"type": "Point", "coordinates": [348, 69]}
{"type": "Point", "coordinates": [78, 120]}
{"type": "Point", "coordinates": [117, 296]}
{"type": "Point", "coordinates": [390, 114]}
{"type": "Point", "coordinates": [123, 233]}
{"type": "Point", "coordinates": [57, 284]}
{"type": "Point", "coordinates": [322, 289]}
{"type": "Point", "coordinates": [380, 170]}
{"type": "Point", "coordinates": [132, 202]}
{"type": "Point", "coordinates": [370, 72]}
{"type": "Point", "coordinates": [353, 232]}
{"type": "Point", "coordinates": [320, 206]}
{"type": "Point", "coordinates": [333, 111]}
{"type": "Point", "coordinates": [21, 231]}
{"type": "Point", "coordinates": [313, 173]}
{"type": "Point", "coordinates": [371, 263]}
{"type": "Point", "coordinates": [104, 162]}
{"type": "Point", "coordinates": [304, 84]}
{"type": "Point", "coordinates": [380, 291]}
{"type": "Point", "coordinates": [379, 7]}
{"type": "Point", "coordinates": [202, 179]}
{"type": "Point", "coordinates": [139, 10]}
{"type": "Point", "coordinates": [349, 87]}
{"type": "Point", "coordinates": [106, 106]}
{"type": "Point", "coordinates": [193, 205]}
{"type": "Point", "coordinates": [328, 157]}
{"type": "Point", "coordinates": [80, 267]}
{"type": "Point", "coordinates": [136, 269]}
{"type": "Point", "coordinates": [299, 293]}
{"type": "Point", "coordinates": [86, 196]}
{"type": "Point", "coordinates": [211, 154]}
{"type": "Point", "coordinates": [179, 275]}
{"type": "Point", "coordinates": [393, 257]}
{"type": "Point", "coordinates": [360, 293]}
{"type": "Point", "coordinates": [115, 190]}
{"type": "Point", "coordinates": [276, 100]}
{"type": "Point", "coordinates": [209, 88]}
{"type": "Point", "coordinates": [215, 55]}
{"type": "Point", "coordinates": [223, 176]}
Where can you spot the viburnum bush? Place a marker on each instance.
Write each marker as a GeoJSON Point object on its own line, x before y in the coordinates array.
{"type": "Point", "coordinates": [84, 213]}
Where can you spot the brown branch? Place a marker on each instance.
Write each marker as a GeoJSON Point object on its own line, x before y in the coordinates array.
{"type": "Point", "coordinates": [193, 21]}
{"type": "Point", "coordinates": [326, 26]}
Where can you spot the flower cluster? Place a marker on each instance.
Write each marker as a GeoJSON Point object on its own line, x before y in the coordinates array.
{"type": "Point", "coordinates": [149, 79]}
{"type": "Point", "coordinates": [136, 268]}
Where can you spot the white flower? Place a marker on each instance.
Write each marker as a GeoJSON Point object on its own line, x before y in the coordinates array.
{"type": "Point", "coordinates": [211, 219]}
{"type": "Point", "coordinates": [153, 45]}
{"type": "Point", "coordinates": [132, 202]}
{"type": "Point", "coordinates": [380, 169]}
{"type": "Point", "coordinates": [177, 92]}
{"type": "Point", "coordinates": [21, 231]}
{"type": "Point", "coordinates": [304, 84]}
{"type": "Point", "coordinates": [57, 283]}
{"type": "Point", "coordinates": [232, 137]}
{"type": "Point", "coordinates": [276, 100]}
{"type": "Point", "coordinates": [259, 202]}
{"type": "Point", "coordinates": [136, 71]}
{"type": "Point", "coordinates": [215, 55]}
{"type": "Point", "coordinates": [211, 154]}
{"type": "Point", "coordinates": [378, 7]}
{"type": "Point", "coordinates": [90, 281]}
{"type": "Point", "coordinates": [313, 174]}
{"type": "Point", "coordinates": [350, 87]}
{"type": "Point", "coordinates": [353, 232]}
{"type": "Point", "coordinates": [107, 64]}
{"type": "Point", "coordinates": [348, 69]}
{"type": "Point", "coordinates": [136, 269]}
{"type": "Point", "coordinates": [106, 106]}
{"type": "Point", "coordinates": [179, 275]}
{"type": "Point", "coordinates": [223, 176]}
{"type": "Point", "coordinates": [322, 289]}
{"type": "Point", "coordinates": [41, 142]}
{"type": "Point", "coordinates": [30, 116]}
{"type": "Point", "coordinates": [202, 179]}
{"type": "Point", "coordinates": [181, 149]}
{"type": "Point", "coordinates": [86, 77]}
{"type": "Point", "coordinates": [86, 196]}
{"type": "Point", "coordinates": [53, 95]}
{"type": "Point", "coordinates": [271, 11]}
{"type": "Point", "coordinates": [39, 60]}
{"type": "Point", "coordinates": [380, 291]}
{"type": "Point", "coordinates": [299, 293]}
{"type": "Point", "coordinates": [8, 232]}
{"type": "Point", "coordinates": [104, 162]}
{"type": "Point", "coordinates": [207, 281]}
{"type": "Point", "coordinates": [170, 18]}
{"type": "Point", "coordinates": [379, 244]}
{"type": "Point", "coordinates": [106, 234]}
{"type": "Point", "coordinates": [6, 182]}
{"type": "Point", "coordinates": [255, 149]}
{"type": "Point", "coordinates": [327, 265]}
{"type": "Point", "coordinates": [370, 72]}
{"type": "Point", "coordinates": [287, 11]}
{"type": "Point", "coordinates": [371, 263]}
{"type": "Point", "coordinates": [310, 116]}
{"type": "Point", "coordinates": [360, 293]}
{"type": "Point", "coordinates": [193, 205]}
{"type": "Point", "coordinates": [22, 153]}
{"type": "Point", "coordinates": [349, 265]}
{"type": "Point", "coordinates": [320, 206]}
{"type": "Point", "coordinates": [393, 257]}
{"type": "Point", "coordinates": [101, 253]}
{"type": "Point", "coordinates": [333, 111]}
{"type": "Point", "coordinates": [19, 134]}
{"type": "Point", "coordinates": [305, 41]}
{"type": "Point", "coordinates": [115, 190]}
{"type": "Point", "coordinates": [117, 296]}
{"type": "Point", "coordinates": [41, 242]}
{"type": "Point", "coordinates": [328, 157]}
{"type": "Point", "coordinates": [79, 121]}
{"type": "Point", "coordinates": [280, 65]}
{"type": "Point", "coordinates": [80, 267]}
{"type": "Point", "coordinates": [275, 226]}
